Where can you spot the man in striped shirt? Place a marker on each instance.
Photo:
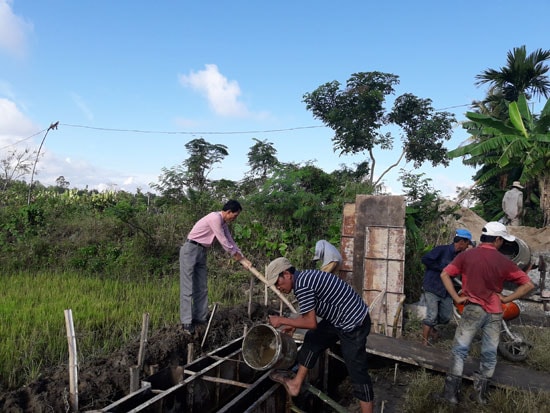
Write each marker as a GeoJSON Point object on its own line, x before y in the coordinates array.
{"type": "Point", "coordinates": [344, 317]}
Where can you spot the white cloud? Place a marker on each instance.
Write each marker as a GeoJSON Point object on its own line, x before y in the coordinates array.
{"type": "Point", "coordinates": [222, 94]}
{"type": "Point", "coordinates": [14, 126]}
{"type": "Point", "coordinates": [13, 30]}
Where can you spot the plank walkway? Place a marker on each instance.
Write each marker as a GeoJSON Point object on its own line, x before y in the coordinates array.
{"type": "Point", "coordinates": [410, 352]}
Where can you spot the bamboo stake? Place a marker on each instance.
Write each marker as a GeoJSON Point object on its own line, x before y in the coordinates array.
{"type": "Point", "coordinates": [135, 370]}
{"type": "Point", "coordinates": [251, 289]}
{"type": "Point", "coordinates": [260, 277]}
{"type": "Point", "coordinates": [325, 398]}
{"type": "Point", "coordinates": [397, 314]}
{"type": "Point", "coordinates": [189, 353]}
{"type": "Point", "coordinates": [143, 339]}
{"type": "Point", "coordinates": [73, 361]}
{"type": "Point", "coordinates": [209, 324]}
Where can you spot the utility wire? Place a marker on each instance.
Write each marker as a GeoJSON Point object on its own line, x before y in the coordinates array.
{"type": "Point", "coordinates": [24, 139]}
{"type": "Point", "coordinates": [190, 133]}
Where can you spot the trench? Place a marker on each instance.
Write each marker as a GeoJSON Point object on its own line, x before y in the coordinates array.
{"type": "Point", "coordinates": [221, 381]}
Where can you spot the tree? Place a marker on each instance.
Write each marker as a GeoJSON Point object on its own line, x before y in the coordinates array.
{"type": "Point", "coordinates": [521, 141]}
{"type": "Point", "coordinates": [15, 166]}
{"type": "Point", "coordinates": [62, 183]}
{"type": "Point", "coordinates": [191, 177]}
{"type": "Point", "coordinates": [357, 116]}
{"type": "Point", "coordinates": [261, 159]}
{"type": "Point", "coordinates": [523, 74]}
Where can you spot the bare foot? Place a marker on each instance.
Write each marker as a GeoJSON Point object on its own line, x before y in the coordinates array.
{"type": "Point", "coordinates": [288, 380]}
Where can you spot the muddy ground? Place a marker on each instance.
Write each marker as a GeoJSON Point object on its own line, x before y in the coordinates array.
{"type": "Point", "coordinates": [105, 380]}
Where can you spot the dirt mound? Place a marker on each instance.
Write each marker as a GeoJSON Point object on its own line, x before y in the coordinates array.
{"type": "Point", "coordinates": [538, 239]}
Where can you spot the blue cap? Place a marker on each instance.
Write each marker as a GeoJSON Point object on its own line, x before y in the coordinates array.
{"type": "Point", "coordinates": [463, 233]}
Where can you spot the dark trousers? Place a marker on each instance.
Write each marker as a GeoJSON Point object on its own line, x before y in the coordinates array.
{"type": "Point", "coordinates": [353, 344]}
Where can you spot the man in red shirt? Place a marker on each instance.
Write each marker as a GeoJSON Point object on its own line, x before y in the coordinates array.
{"type": "Point", "coordinates": [484, 271]}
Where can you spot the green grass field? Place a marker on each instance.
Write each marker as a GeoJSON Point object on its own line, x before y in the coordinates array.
{"type": "Point", "coordinates": [106, 314]}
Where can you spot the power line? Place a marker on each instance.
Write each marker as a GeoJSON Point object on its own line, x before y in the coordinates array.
{"type": "Point", "coordinates": [24, 139]}
{"type": "Point", "coordinates": [190, 133]}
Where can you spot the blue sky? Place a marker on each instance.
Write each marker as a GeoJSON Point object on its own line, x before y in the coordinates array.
{"type": "Point", "coordinates": [163, 73]}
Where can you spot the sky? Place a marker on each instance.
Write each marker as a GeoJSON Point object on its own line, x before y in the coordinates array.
{"type": "Point", "coordinates": [131, 82]}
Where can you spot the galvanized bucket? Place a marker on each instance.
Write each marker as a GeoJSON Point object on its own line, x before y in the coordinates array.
{"type": "Point", "coordinates": [265, 348]}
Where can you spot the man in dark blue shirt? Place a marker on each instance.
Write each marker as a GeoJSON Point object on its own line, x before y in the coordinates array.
{"type": "Point", "coordinates": [344, 317]}
{"type": "Point", "coordinates": [439, 304]}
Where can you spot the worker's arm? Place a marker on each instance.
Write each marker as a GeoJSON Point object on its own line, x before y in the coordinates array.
{"type": "Point", "coordinates": [307, 321]}
{"type": "Point", "coordinates": [520, 292]}
{"type": "Point", "coordinates": [449, 286]}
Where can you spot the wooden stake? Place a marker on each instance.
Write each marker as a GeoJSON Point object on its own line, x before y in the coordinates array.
{"type": "Point", "coordinates": [209, 323]}
{"type": "Point", "coordinates": [279, 294]}
{"type": "Point", "coordinates": [143, 339]}
{"type": "Point", "coordinates": [189, 353]}
{"type": "Point", "coordinates": [73, 361]}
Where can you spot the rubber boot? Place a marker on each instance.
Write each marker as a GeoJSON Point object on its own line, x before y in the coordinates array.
{"type": "Point", "coordinates": [452, 389]}
{"type": "Point", "coordinates": [481, 384]}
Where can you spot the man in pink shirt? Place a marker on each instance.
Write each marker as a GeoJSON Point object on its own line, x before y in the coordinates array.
{"type": "Point", "coordinates": [193, 269]}
{"type": "Point", "coordinates": [484, 271]}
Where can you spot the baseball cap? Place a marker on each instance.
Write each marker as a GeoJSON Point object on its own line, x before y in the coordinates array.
{"type": "Point", "coordinates": [275, 267]}
{"type": "Point", "coordinates": [496, 229]}
{"type": "Point", "coordinates": [463, 233]}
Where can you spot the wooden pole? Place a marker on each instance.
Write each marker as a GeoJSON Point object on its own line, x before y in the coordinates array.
{"type": "Point", "coordinates": [250, 296]}
{"type": "Point", "coordinates": [73, 361]}
{"type": "Point", "coordinates": [260, 277]}
{"type": "Point", "coordinates": [143, 339]}
{"type": "Point", "coordinates": [209, 324]}
{"type": "Point", "coordinates": [135, 370]}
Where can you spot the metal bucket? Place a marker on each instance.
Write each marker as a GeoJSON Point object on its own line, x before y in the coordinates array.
{"type": "Point", "coordinates": [518, 251]}
{"type": "Point", "coordinates": [264, 348]}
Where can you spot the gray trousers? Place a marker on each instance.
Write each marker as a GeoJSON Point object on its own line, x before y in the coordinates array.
{"type": "Point", "coordinates": [193, 283]}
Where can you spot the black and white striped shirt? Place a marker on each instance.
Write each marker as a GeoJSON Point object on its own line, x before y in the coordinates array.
{"type": "Point", "coordinates": [331, 298]}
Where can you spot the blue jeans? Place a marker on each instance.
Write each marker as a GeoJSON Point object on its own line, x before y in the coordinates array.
{"type": "Point", "coordinates": [475, 318]}
{"type": "Point", "coordinates": [438, 309]}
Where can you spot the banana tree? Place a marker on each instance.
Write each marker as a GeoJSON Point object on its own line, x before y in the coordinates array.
{"type": "Point", "coordinates": [522, 140]}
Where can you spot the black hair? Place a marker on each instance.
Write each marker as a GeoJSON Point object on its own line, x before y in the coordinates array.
{"type": "Point", "coordinates": [232, 206]}
{"type": "Point", "coordinates": [458, 239]}
{"type": "Point", "coordinates": [487, 238]}
{"type": "Point", "coordinates": [291, 270]}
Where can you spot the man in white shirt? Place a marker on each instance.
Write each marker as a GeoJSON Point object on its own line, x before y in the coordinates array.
{"type": "Point", "coordinates": [512, 204]}
{"type": "Point", "coordinates": [330, 257]}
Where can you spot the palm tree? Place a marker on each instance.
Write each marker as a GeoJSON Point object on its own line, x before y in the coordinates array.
{"type": "Point", "coordinates": [522, 74]}
{"type": "Point", "coordinates": [523, 139]}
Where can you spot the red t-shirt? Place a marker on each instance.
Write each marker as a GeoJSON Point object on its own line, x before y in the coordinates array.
{"type": "Point", "coordinates": [484, 271]}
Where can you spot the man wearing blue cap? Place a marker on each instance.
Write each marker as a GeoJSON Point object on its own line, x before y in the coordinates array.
{"type": "Point", "coordinates": [439, 304]}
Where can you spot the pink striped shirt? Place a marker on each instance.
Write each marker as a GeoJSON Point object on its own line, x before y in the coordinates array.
{"type": "Point", "coordinates": [213, 226]}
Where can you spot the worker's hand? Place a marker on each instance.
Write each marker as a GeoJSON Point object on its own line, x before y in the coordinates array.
{"type": "Point", "coordinates": [503, 298]}
{"type": "Point", "coordinates": [276, 321]}
{"type": "Point", "coordinates": [245, 263]}
{"type": "Point", "coordinates": [288, 330]}
{"type": "Point", "coordinates": [462, 299]}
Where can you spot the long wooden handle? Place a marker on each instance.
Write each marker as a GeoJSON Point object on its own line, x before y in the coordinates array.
{"type": "Point", "coordinates": [260, 277]}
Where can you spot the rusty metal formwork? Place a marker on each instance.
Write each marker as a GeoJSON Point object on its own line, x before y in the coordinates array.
{"type": "Point", "coordinates": [373, 252]}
